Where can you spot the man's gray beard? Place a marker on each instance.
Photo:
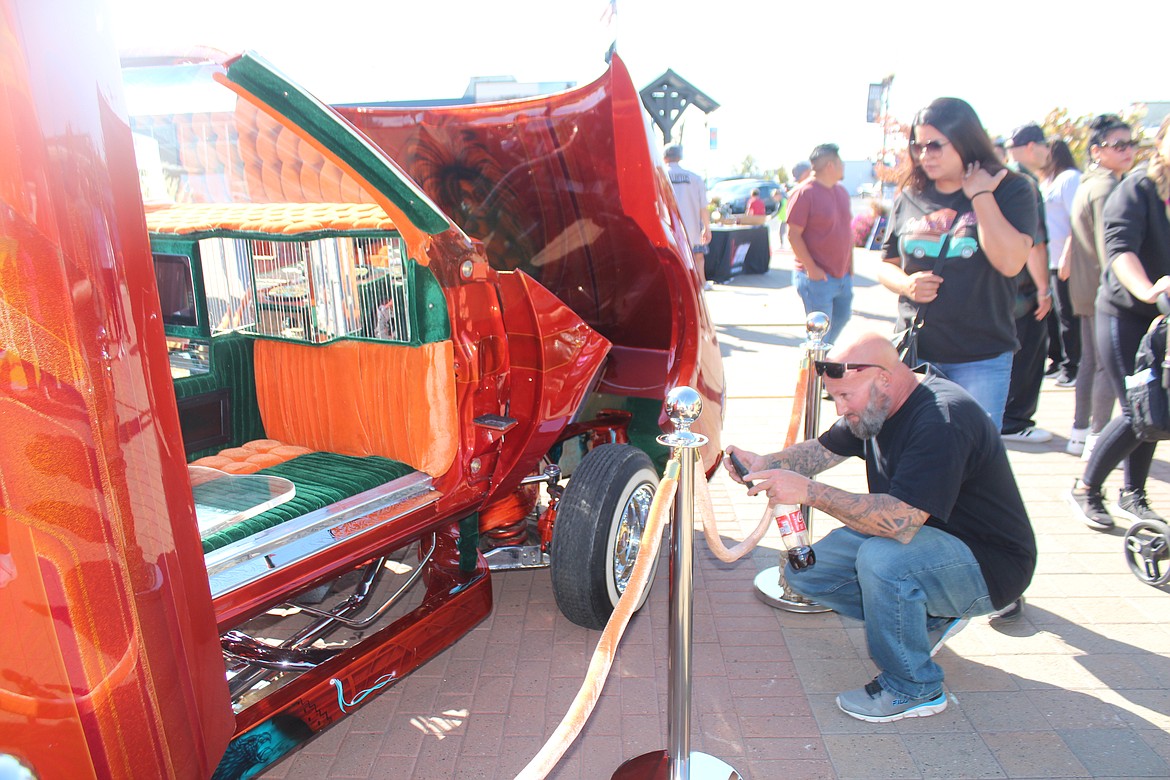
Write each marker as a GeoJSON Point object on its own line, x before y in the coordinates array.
{"type": "Point", "coordinates": [872, 418]}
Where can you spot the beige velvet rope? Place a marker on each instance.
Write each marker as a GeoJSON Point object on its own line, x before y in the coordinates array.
{"type": "Point", "coordinates": [802, 379]}
{"type": "Point", "coordinates": [703, 494]}
{"type": "Point", "coordinates": [599, 665]}
{"type": "Point", "coordinates": [711, 532]}
{"type": "Point", "coordinates": [582, 707]}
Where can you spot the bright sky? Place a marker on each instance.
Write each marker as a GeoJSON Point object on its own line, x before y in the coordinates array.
{"type": "Point", "coordinates": [787, 74]}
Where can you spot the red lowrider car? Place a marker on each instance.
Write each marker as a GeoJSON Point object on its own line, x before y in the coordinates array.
{"type": "Point", "coordinates": [280, 387]}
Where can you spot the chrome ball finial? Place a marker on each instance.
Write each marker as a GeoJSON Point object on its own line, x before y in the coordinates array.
{"type": "Point", "coordinates": [683, 407]}
{"type": "Point", "coordinates": [816, 325]}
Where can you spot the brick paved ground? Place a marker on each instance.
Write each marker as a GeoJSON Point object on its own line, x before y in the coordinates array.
{"type": "Point", "coordinates": [1077, 689]}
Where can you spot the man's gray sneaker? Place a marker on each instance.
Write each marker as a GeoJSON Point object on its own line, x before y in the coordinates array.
{"type": "Point", "coordinates": [1088, 505]}
{"type": "Point", "coordinates": [877, 705]}
{"type": "Point", "coordinates": [1133, 504]}
{"type": "Point", "coordinates": [939, 635]}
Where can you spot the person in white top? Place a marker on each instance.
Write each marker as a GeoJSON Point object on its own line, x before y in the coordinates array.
{"type": "Point", "coordinates": [691, 193]}
{"type": "Point", "coordinates": [1058, 182]}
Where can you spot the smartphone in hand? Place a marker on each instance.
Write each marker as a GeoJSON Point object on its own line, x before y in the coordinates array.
{"type": "Point", "coordinates": [740, 469]}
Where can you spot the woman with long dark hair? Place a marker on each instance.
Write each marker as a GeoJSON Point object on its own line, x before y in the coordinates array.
{"type": "Point", "coordinates": [1058, 183]}
{"type": "Point", "coordinates": [1111, 151]}
{"type": "Point", "coordinates": [1137, 244]}
{"type": "Point", "coordinates": [960, 231]}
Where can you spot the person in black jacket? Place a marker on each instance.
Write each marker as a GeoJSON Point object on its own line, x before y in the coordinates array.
{"type": "Point", "coordinates": [1137, 243]}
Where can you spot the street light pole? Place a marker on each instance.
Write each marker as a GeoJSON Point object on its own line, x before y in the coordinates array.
{"type": "Point", "coordinates": [886, 82]}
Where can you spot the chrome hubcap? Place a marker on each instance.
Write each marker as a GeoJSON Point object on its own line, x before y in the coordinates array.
{"type": "Point", "coordinates": [628, 539]}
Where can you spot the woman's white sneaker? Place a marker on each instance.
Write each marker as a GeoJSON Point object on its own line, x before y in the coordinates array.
{"type": "Point", "coordinates": [1076, 441]}
{"type": "Point", "coordinates": [1031, 435]}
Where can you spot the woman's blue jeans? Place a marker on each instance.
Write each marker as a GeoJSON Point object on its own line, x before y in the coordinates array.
{"type": "Point", "coordinates": [900, 591]}
{"type": "Point", "coordinates": [986, 380]}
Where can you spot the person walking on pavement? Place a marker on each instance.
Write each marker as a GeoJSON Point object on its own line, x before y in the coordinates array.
{"type": "Point", "coordinates": [820, 231]}
{"type": "Point", "coordinates": [800, 172]}
{"type": "Point", "coordinates": [960, 231]}
{"type": "Point", "coordinates": [690, 192]}
{"type": "Point", "coordinates": [941, 536]}
{"type": "Point", "coordinates": [1137, 243]}
{"type": "Point", "coordinates": [1111, 149]}
{"type": "Point", "coordinates": [1029, 151]}
{"type": "Point", "coordinates": [1059, 181]}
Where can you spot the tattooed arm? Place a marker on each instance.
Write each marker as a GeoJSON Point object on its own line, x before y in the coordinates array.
{"type": "Point", "coordinates": [876, 514]}
{"type": "Point", "coordinates": [807, 458]}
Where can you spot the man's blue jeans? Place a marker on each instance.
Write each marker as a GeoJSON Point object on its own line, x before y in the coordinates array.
{"type": "Point", "coordinates": [832, 296]}
{"type": "Point", "coordinates": [986, 380]}
{"type": "Point", "coordinates": [894, 587]}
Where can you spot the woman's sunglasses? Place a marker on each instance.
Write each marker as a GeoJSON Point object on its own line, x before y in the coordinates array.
{"type": "Point", "coordinates": [930, 147]}
{"type": "Point", "coordinates": [837, 370]}
{"type": "Point", "coordinates": [1121, 146]}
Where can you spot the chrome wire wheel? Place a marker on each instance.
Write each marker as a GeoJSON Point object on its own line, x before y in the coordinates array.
{"type": "Point", "coordinates": [628, 534]}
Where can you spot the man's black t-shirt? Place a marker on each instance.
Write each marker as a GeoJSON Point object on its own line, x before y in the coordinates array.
{"type": "Point", "coordinates": [973, 316]}
{"type": "Point", "coordinates": [940, 453]}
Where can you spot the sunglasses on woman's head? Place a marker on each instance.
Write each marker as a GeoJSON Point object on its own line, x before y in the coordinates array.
{"type": "Point", "coordinates": [837, 370]}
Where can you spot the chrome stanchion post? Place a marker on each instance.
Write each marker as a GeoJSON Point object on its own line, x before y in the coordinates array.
{"type": "Point", "coordinates": [677, 762]}
{"type": "Point", "coordinates": [770, 585]}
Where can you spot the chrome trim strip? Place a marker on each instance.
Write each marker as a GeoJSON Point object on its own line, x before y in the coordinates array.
{"type": "Point", "coordinates": [264, 552]}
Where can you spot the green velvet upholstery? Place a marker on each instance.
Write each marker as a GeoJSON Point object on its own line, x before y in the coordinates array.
{"type": "Point", "coordinates": [321, 478]}
{"type": "Point", "coordinates": [231, 367]}
{"type": "Point", "coordinates": [430, 306]}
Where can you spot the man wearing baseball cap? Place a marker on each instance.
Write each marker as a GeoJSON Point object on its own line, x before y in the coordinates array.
{"type": "Point", "coordinates": [1029, 151]}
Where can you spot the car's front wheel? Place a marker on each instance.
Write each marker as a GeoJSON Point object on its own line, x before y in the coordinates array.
{"type": "Point", "coordinates": [598, 532]}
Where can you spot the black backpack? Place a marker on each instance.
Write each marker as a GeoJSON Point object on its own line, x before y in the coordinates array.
{"type": "Point", "coordinates": [1145, 389]}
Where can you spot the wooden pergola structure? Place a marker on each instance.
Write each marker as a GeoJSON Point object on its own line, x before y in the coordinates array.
{"type": "Point", "coordinates": [668, 96]}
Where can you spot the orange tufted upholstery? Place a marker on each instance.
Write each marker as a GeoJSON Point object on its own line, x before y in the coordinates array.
{"type": "Point", "coordinates": [274, 218]}
{"type": "Point", "coordinates": [361, 398]}
{"type": "Point", "coordinates": [251, 457]}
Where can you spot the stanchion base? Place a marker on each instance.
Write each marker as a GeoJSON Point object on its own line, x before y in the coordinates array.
{"type": "Point", "coordinates": [774, 592]}
{"type": "Point", "coordinates": [656, 766]}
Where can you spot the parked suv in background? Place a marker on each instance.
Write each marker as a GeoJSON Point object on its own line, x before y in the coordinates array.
{"type": "Point", "coordinates": [733, 195]}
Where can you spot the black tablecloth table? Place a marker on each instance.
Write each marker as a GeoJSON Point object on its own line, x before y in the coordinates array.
{"type": "Point", "coordinates": [737, 249]}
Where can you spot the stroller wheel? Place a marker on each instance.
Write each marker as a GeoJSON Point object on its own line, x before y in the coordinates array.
{"type": "Point", "coordinates": [1147, 551]}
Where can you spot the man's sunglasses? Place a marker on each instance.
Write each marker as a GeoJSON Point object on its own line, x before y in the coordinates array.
{"type": "Point", "coordinates": [837, 370]}
{"type": "Point", "coordinates": [1121, 146]}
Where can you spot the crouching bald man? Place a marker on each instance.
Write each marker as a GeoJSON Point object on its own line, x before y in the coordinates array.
{"type": "Point", "coordinates": [942, 534]}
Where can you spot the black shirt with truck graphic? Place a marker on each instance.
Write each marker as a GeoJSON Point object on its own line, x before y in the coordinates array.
{"type": "Point", "coordinates": [972, 317]}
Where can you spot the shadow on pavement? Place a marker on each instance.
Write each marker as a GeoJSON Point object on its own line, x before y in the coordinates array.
{"type": "Point", "coordinates": [1109, 740]}
{"type": "Point", "coordinates": [755, 336]}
